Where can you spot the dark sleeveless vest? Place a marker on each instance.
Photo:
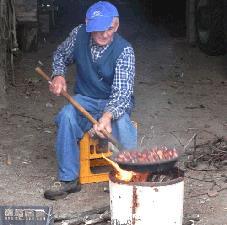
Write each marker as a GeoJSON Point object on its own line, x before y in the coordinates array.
{"type": "Point", "coordinates": [94, 79]}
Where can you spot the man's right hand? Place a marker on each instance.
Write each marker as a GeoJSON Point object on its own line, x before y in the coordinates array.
{"type": "Point", "coordinates": [57, 85]}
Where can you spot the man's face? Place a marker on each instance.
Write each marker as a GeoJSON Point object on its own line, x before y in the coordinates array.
{"type": "Point", "coordinates": [105, 37]}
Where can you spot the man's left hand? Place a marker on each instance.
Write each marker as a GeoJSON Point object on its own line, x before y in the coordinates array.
{"type": "Point", "coordinates": [104, 123]}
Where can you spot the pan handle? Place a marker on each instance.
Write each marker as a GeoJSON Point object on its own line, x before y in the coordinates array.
{"type": "Point", "coordinates": [82, 110]}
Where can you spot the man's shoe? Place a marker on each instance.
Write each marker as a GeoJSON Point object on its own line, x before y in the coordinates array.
{"type": "Point", "coordinates": [61, 189]}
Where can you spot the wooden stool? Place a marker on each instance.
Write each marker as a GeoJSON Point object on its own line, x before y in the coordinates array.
{"type": "Point", "coordinates": [91, 157]}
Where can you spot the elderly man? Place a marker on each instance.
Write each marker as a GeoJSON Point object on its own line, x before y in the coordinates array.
{"type": "Point", "coordinates": [105, 65]}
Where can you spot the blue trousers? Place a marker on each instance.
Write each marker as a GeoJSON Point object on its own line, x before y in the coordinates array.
{"type": "Point", "coordinates": [71, 127]}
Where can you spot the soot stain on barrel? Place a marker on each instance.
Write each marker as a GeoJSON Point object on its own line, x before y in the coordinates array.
{"type": "Point", "coordinates": [156, 189]}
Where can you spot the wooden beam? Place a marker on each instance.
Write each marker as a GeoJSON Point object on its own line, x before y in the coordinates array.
{"type": "Point", "coordinates": [190, 21]}
{"type": "Point", "coordinates": [3, 102]}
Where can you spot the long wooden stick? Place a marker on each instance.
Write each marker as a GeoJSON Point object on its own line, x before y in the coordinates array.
{"type": "Point", "coordinates": [82, 110]}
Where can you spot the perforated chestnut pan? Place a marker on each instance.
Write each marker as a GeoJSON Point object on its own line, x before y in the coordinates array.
{"type": "Point", "coordinates": [157, 165]}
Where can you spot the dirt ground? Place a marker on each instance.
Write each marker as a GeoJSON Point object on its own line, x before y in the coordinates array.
{"type": "Point", "coordinates": [179, 92]}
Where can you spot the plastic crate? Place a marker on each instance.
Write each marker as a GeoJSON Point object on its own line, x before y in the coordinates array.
{"type": "Point", "coordinates": [26, 215]}
{"type": "Point", "coordinates": [93, 168]}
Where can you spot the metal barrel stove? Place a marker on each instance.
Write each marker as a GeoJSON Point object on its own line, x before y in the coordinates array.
{"type": "Point", "coordinates": [158, 201]}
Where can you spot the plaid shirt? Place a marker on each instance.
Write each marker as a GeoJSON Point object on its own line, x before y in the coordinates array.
{"type": "Point", "coordinates": [122, 88]}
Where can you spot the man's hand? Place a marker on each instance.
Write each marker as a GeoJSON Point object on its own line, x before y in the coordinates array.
{"type": "Point", "coordinates": [57, 85]}
{"type": "Point", "coordinates": [104, 123]}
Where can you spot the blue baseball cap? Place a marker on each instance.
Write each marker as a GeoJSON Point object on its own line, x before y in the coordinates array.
{"type": "Point", "coordinates": [99, 16]}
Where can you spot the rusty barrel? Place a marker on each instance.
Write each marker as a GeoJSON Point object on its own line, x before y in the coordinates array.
{"type": "Point", "coordinates": [156, 201]}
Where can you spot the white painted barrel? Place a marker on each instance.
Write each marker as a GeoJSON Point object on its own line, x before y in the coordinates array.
{"type": "Point", "coordinates": [147, 203]}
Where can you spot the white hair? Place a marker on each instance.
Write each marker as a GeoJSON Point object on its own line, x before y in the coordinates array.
{"type": "Point", "coordinates": [116, 19]}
